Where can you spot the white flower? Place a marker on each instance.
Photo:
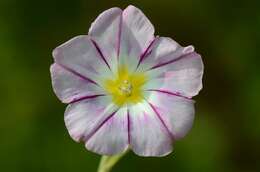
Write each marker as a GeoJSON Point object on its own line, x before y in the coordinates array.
{"type": "Point", "coordinates": [125, 87]}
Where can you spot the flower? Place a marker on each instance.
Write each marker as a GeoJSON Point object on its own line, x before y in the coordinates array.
{"type": "Point", "coordinates": [125, 87]}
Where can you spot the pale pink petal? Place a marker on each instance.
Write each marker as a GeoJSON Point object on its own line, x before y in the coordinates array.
{"type": "Point", "coordinates": [70, 87]}
{"type": "Point", "coordinates": [139, 26]}
{"type": "Point", "coordinates": [84, 118]}
{"type": "Point", "coordinates": [112, 136]}
{"type": "Point", "coordinates": [105, 31]}
{"type": "Point", "coordinates": [183, 76]}
{"type": "Point", "coordinates": [148, 133]}
{"type": "Point", "coordinates": [80, 56]}
{"type": "Point", "coordinates": [173, 68]}
{"type": "Point", "coordinates": [137, 33]}
{"type": "Point", "coordinates": [161, 51]}
{"type": "Point", "coordinates": [177, 112]}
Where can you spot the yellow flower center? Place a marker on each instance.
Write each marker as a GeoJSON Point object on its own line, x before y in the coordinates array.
{"type": "Point", "coordinates": [126, 87]}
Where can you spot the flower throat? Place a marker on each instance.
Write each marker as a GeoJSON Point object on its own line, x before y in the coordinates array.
{"type": "Point", "coordinates": [126, 87]}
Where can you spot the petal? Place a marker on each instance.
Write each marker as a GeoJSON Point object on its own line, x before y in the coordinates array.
{"type": "Point", "coordinates": [70, 87]}
{"type": "Point", "coordinates": [85, 117]}
{"type": "Point", "coordinates": [137, 33]}
{"type": "Point", "coordinates": [81, 56]}
{"type": "Point", "coordinates": [139, 26]}
{"type": "Point", "coordinates": [176, 112]}
{"type": "Point", "coordinates": [112, 137]}
{"type": "Point", "coordinates": [182, 77]}
{"type": "Point", "coordinates": [105, 32]}
{"type": "Point", "coordinates": [148, 134]}
{"type": "Point", "coordinates": [173, 68]}
{"type": "Point", "coordinates": [161, 51]}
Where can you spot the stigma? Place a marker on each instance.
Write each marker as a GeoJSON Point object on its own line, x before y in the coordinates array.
{"type": "Point", "coordinates": [125, 88]}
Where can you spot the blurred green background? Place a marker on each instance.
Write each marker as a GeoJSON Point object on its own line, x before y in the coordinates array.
{"type": "Point", "coordinates": [226, 132]}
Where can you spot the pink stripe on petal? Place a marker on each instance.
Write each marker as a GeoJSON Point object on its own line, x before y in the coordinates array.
{"type": "Point", "coordinates": [162, 121]}
{"type": "Point", "coordinates": [112, 135]}
{"type": "Point", "coordinates": [148, 135]}
{"type": "Point", "coordinates": [137, 32]}
{"type": "Point", "coordinates": [170, 93]}
{"type": "Point", "coordinates": [85, 117]}
{"type": "Point", "coordinates": [106, 30]}
{"type": "Point", "coordinates": [99, 126]}
{"type": "Point", "coordinates": [84, 97]}
{"type": "Point", "coordinates": [119, 36]}
{"type": "Point", "coordinates": [76, 73]}
{"type": "Point", "coordinates": [147, 51]}
{"type": "Point", "coordinates": [70, 86]}
{"type": "Point", "coordinates": [101, 54]}
{"type": "Point", "coordinates": [162, 52]}
{"type": "Point", "coordinates": [183, 76]}
{"type": "Point", "coordinates": [128, 127]}
{"type": "Point", "coordinates": [140, 26]}
{"type": "Point", "coordinates": [171, 61]}
{"type": "Point", "coordinates": [80, 56]}
{"type": "Point", "coordinates": [177, 113]}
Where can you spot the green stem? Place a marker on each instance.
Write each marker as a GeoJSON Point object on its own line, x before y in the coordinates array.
{"type": "Point", "coordinates": [107, 162]}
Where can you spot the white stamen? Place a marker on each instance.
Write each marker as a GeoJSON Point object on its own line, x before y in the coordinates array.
{"type": "Point", "coordinates": [126, 88]}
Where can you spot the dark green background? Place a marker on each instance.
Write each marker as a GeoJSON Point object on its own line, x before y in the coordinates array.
{"type": "Point", "coordinates": [226, 132]}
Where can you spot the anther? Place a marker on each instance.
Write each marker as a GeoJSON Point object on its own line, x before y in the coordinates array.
{"type": "Point", "coordinates": [126, 88]}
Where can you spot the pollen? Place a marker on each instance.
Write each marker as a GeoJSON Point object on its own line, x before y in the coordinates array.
{"type": "Point", "coordinates": [126, 87]}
